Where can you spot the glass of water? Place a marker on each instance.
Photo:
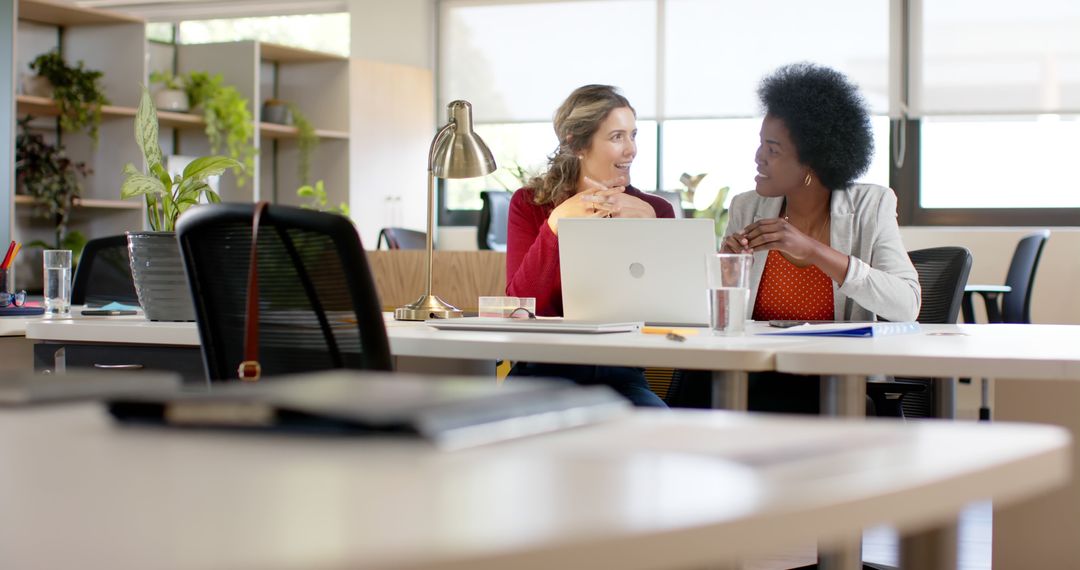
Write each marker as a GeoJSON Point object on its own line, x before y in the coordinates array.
{"type": "Point", "coordinates": [57, 283]}
{"type": "Point", "coordinates": [728, 278]}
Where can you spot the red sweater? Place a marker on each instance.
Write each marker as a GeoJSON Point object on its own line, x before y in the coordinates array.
{"type": "Point", "coordinates": [532, 250]}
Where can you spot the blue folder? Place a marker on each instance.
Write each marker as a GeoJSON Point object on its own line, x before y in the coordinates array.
{"type": "Point", "coordinates": [849, 329]}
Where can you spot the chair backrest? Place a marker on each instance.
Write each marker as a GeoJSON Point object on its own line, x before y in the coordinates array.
{"type": "Point", "coordinates": [943, 274]}
{"type": "Point", "coordinates": [1016, 304]}
{"type": "Point", "coordinates": [673, 198]}
{"type": "Point", "coordinates": [318, 307]}
{"type": "Point", "coordinates": [104, 274]}
{"type": "Point", "coordinates": [494, 214]}
{"type": "Point", "coordinates": [401, 238]}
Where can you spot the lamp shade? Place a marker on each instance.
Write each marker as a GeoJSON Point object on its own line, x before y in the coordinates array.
{"type": "Point", "coordinates": [460, 152]}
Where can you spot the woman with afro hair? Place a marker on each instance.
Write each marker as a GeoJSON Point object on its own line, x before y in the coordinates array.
{"type": "Point", "coordinates": [824, 247]}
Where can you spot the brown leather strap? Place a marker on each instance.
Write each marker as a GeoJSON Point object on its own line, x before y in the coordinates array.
{"type": "Point", "coordinates": [250, 370]}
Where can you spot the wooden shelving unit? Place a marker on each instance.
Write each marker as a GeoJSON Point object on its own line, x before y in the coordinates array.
{"type": "Point", "coordinates": [90, 203]}
{"type": "Point", "coordinates": [57, 13]}
{"type": "Point", "coordinates": [276, 131]}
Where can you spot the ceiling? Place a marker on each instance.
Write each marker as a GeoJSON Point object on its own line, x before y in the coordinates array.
{"type": "Point", "coordinates": [176, 10]}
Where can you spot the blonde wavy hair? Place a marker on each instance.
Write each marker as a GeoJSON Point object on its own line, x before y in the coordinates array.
{"type": "Point", "coordinates": [575, 122]}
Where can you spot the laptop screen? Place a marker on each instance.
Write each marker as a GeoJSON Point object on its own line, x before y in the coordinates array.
{"type": "Point", "coordinates": [650, 270]}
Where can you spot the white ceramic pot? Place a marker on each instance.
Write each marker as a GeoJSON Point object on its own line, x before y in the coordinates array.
{"type": "Point", "coordinates": [37, 86]}
{"type": "Point", "coordinates": [171, 100]}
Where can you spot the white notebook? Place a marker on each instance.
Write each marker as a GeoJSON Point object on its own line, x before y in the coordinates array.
{"type": "Point", "coordinates": [556, 325]}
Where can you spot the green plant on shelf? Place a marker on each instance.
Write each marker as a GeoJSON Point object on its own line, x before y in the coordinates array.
{"type": "Point", "coordinates": [307, 142]}
{"type": "Point", "coordinates": [229, 124]}
{"type": "Point", "coordinates": [167, 79]}
{"type": "Point", "coordinates": [45, 173]}
{"type": "Point", "coordinates": [77, 91]}
{"type": "Point", "coordinates": [318, 200]}
{"type": "Point", "coordinates": [167, 197]}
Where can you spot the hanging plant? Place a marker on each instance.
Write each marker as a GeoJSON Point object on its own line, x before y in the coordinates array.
{"type": "Point", "coordinates": [45, 173]}
{"type": "Point", "coordinates": [76, 90]}
{"type": "Point", "coordinates": [229, 124]}
{"type": "Point", "coordinates": [307, 142]}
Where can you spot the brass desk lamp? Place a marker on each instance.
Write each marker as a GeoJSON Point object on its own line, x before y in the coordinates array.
{"type": "Point", "coordinates": [456, 152]}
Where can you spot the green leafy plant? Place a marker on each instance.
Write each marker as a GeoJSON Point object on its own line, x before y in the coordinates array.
{"type": "Point", "coordinates": [168, 196]}
{"type": "Point", "coordinates": [307, 142]}
{"type": "Point", "coordinates": [77, 91]}
{"type": "Point", "coordinates": [167, 80]}
{"type": "Point", "coordinates": [44, 172]}
{"type": "Point", "coordinates": [229, 124]}
{"type": "Point", "coordinates": [318, 199]}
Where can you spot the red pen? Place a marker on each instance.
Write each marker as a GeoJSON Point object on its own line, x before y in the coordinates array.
{"type": "Point", "coordinates": [7, 257]}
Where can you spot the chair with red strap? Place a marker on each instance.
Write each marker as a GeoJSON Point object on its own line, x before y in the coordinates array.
{"type": "Point", "coordinates": [303, 299]}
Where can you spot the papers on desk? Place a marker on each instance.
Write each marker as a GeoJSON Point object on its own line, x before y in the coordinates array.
{"type": "Point", "coordinates": [849, 329]}
{"type": "Point", "coordinates": [555, 325]}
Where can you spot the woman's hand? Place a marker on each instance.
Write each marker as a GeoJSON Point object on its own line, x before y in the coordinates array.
{"type": "Point", "coordinates": [736, 243]}
{"type": "Point", "coordinates": [627, 206]}
{"type": "Point", "coordinates": [778, 233]}
{"type": "Point", "coordinates": [594, 200]}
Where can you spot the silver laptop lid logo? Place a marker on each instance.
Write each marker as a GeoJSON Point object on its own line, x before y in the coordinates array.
{"type": "Point", "coordinates": [637, 270]}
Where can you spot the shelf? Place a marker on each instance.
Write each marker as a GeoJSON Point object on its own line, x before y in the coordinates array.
{"type": "Point", "coordinates": [287, 54]}
{"type": "Point", "coordinates": [56, 13]}
{"type": "Point", "coordinates": [24, 200]}
{"type": "Point", "coordinates": [46, 107]}
{"type": "Point", "coordinates": [276, 131]}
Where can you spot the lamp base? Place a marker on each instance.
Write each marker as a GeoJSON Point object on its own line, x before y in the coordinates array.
{"type": "Point", "coordinates": [427, 307]}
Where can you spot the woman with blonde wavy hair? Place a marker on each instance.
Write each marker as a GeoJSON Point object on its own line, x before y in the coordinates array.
{"type": "Point", "coordinates": [588, 176]}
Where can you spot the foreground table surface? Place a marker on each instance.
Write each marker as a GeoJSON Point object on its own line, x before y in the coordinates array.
{"type": "Point", "coordinates": [654, 490]}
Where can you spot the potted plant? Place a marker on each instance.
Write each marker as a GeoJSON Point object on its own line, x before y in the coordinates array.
{"type": "Point", "coordinates": [316, 194]}
{"type": "Point", "coordinates": [155, 257]}
{"type": "Point", "coordinates": [77, 91]}
{"type": "Point", "coordinates": [45, 173]}
{"type": "Point", "coordinates": [229, 124]}
{"type": "Point", "coordinates": [171, 96]}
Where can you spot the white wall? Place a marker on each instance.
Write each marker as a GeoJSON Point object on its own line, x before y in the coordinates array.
{"type": "Point", "coordinates": [391, 113]}
{"type": "Point", "coordinates": [1056, 296]}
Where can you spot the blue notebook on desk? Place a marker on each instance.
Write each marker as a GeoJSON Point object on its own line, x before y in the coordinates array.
{"type": "Point", "coordinates": [865, 330]}
{"type": "Point", "coordinates": [14, 311]}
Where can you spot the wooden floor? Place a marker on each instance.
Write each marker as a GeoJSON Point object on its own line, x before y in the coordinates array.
{"type": "Point", "coordinates": [880, 545]}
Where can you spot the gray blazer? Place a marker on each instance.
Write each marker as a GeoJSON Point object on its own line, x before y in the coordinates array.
{"type": "Point", "coordinates": [881, 281]}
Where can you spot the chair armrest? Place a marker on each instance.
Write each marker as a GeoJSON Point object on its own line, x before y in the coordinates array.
{"type": "Point", "coordinates": [991, 295]}
{"type": "Point", "coordinates": [987, 289]}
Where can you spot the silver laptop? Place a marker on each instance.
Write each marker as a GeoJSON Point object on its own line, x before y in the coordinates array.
{"type": "Point", "coordinates": [650, 270]}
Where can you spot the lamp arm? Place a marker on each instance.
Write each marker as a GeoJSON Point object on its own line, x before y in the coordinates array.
{"type": "Point", "coordinates": [443, 132]}
{"type": "Point", "coordinates": [430, 245]}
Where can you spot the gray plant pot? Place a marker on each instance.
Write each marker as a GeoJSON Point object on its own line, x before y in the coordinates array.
{"type": "Point", "coordinates": [159, 276]}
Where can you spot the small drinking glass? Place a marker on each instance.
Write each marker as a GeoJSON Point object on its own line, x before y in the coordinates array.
{"type": "Point", "coordinates": [728, 278]}
{"type": "Point", "coordinates": [57, 263]}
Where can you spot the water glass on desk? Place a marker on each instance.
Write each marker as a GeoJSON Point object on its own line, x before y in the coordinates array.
{"type": "Point", "coordinates": [728, 279]}
{"type": "Point", "coordinates": [57, 264]}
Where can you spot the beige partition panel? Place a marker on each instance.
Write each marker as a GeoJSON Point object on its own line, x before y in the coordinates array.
{"type": "Point", "coordinates": [459, 277]}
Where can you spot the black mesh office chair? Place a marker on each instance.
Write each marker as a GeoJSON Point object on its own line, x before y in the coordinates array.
{"type": "Point", "coordinates": [401, 238]}
{"type": "Point", "coordinates": [1011, 303]}
{"type": "Point", "coordinates": [494, 214]}
{"type": "Point", "coordinates": [318, 304]}
{"type": "Point", "coordinates": [104, 274]}
{"type": "Point", "coordinates": [943, 274]}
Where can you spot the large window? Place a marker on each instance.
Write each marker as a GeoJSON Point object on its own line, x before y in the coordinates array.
{"type": "Point", "coordinates": [998, 96]}
{"type": "Point", "coordinates": [319, 32]}
{"type": "Point", "coordinates": [689, 67]}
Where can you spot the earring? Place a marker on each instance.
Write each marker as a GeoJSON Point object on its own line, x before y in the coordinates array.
{"type": "Point", "coordinates": [581, 157]}
{"type": "Point", "coordinates": [807, 180]}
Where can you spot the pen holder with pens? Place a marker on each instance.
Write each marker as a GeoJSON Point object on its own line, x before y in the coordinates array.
{"type": "Point", "coordinates": [4, 285]}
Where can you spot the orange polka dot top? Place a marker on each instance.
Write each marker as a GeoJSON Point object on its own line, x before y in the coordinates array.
{"type": "Point", "coordinates": [787, 292]}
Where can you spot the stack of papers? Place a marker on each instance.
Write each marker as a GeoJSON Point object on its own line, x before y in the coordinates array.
{"type": "Point", "coordinates": [849, 329]}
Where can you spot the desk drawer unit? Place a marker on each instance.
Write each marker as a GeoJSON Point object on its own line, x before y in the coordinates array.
{"type": "Point", "coordinates": [56, 357]}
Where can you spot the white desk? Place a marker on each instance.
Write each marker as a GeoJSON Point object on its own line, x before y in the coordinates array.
{"type": "Point", "coordinates": [1035, 369]}
{"type": "Point", "coordinates": [16, 353]}
{"type": "Point", "coordinates": [656, 490]}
